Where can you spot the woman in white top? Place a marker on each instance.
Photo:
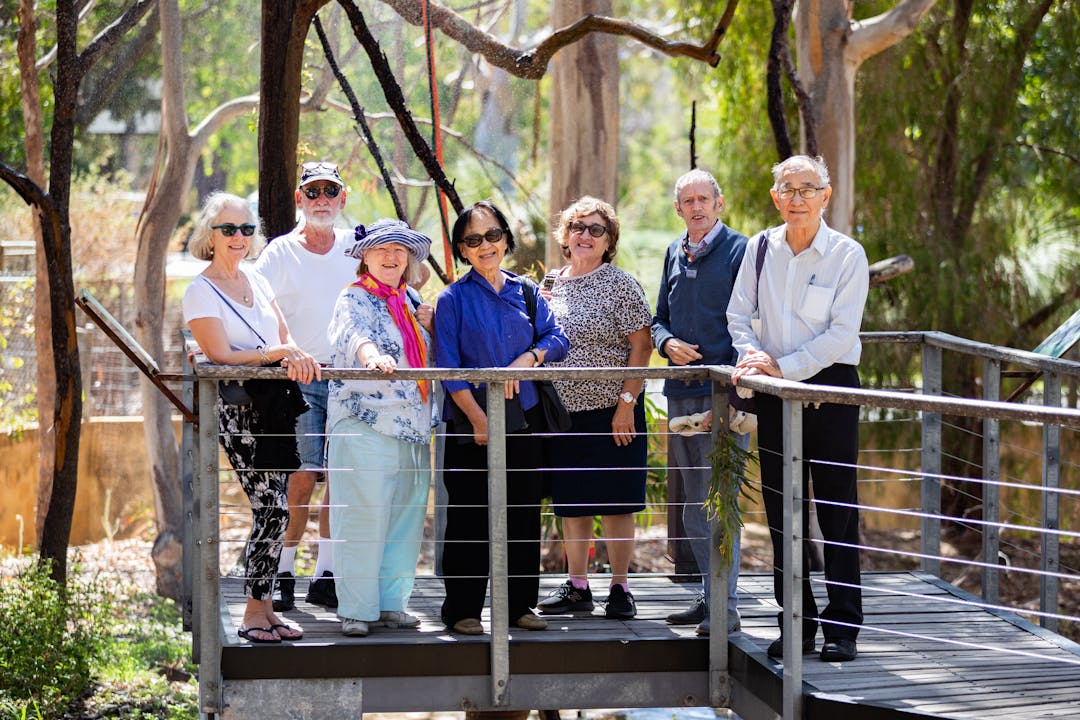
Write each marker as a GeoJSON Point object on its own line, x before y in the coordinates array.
{"type": "Point", "coordinates": [235, 320]}
{"type": "Point", "coordinates": [801, 321]}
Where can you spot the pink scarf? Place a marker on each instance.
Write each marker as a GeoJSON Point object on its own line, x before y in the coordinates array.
{"type": "Point", "coordinates": [415, 348]}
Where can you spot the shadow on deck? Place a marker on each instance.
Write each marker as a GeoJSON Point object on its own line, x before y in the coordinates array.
{"type": "Point", "coordinates": [923, 652]}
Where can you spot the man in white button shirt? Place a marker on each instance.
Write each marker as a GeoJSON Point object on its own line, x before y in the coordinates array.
{"type": "Point", "coordinates": [801, 322]}
{"type": "Point", "coordinates": [308, 269]}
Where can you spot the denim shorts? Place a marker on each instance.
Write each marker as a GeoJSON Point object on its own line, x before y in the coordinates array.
{"type": "Point", "coordinates": [311, 426]}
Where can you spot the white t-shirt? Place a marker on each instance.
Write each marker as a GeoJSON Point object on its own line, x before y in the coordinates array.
{"type": "Point", "coordinates": [307, 286]}
{"type": "Point", "coordinates": [200, 301]}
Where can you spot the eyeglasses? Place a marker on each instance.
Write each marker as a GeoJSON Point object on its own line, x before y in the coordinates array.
{"type": "Point", "coordinates": [596, 229]}
{"type": "Point", "coordinates": [228, 229]}
{"type": "Point", "coordinates": [493, 236]}
{"type": "Point", "coordinates": [806, 193]}
{"type": "Point", "coordinates": [330, 191]}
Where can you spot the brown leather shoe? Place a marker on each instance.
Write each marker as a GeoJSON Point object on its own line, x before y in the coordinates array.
{"type": "Point", "coordinates": [531, 621]}
{"type": "Point", "coordinates": [468, 626]}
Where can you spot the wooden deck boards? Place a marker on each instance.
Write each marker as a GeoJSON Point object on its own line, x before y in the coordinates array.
{"type": "Point", "coordinates": [917, 654]}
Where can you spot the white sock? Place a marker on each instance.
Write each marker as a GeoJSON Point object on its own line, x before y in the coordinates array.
{"type": "Point", "coordinates": [288, 559]}
{"type": "Point", "coordinates": [325, 560]}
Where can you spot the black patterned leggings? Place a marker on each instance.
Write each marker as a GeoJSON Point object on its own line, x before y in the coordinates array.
{"type": "Point", "coordinates": [266, 490]}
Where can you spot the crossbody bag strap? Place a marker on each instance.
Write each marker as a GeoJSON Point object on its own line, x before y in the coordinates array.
{"type": "Point", "coordinates": [233, 308]}
{"type": "Point", "coordinates": [529, 290]}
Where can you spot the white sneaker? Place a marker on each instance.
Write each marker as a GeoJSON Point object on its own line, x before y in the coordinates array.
{"type": "Point", "coordinates": [396, 619]}
{"type": "Point", "coordinates": [354, 628]}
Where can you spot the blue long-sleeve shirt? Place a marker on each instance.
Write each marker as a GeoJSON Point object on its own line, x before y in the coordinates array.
{"type": "Point", "coordinates": [475, 327]}
{"type": "Point", "coordinates": [693, 300]}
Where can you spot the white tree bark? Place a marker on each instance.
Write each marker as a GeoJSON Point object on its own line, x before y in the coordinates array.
{"type": "Point", "coordinates": [830, 47]}
{"type": "Point", "coordinates": [584, 115]}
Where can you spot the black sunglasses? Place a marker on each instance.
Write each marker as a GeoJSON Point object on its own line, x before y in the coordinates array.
{"type": "Point", "coordinates": [493, 236]}
{"type": "Point", "coordinates": [330, 191]}
{"type": "Point", "coordinates": [228, 229]}
{"type": "Point", "coordinates": [596, 229]}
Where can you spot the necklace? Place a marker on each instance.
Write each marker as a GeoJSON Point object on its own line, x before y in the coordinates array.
{"type": "Point", "coordinates": [226, 281]}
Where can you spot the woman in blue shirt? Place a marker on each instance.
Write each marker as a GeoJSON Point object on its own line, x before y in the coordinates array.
{"type": "Point", "coordinates": [481, 321]}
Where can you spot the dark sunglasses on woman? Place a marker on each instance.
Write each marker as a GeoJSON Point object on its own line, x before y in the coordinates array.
{"type": "Point", "coordinates": [493, 236]}
{"type": "Point", "coordinates": [330, 191]}
{"type": "Point", "coordinates": [228, 229]}
{"type": "Point", "coordinates": [596, 229]}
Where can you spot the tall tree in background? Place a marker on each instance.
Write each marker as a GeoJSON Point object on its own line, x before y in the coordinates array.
{"type": "Point", "coordinates": [53, 211]}
{"type": "Point", "coordinates": [178, 151]}
{"type": "Point", "coordinates": [584, 116]}
{"type": "Point", "coordinates": [831, 46]}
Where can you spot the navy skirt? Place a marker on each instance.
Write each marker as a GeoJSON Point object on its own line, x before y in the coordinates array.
{"type": "Point", "coordinates": [589, 474]}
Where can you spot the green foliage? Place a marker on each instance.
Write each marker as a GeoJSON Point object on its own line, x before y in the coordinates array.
{"type": "Point", "coordinates": [18, 406]}
{"type": "Point", "coordinates": [95, 646]}
{"type": "Point", "coordinates": [728, 484]}
{"type": "Point", "coordinates": [55, 636]}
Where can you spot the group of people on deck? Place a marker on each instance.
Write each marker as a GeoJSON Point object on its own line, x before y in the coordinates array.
{"type": "Point", "coordinates": [322, 297]}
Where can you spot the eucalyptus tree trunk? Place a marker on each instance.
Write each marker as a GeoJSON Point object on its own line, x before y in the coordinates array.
{"type": "Point", "coordinates": [831, 47]}
{"type": "Point", "coordinates": [584, 115]}
{"type": "Point", "coordinates": [34, 145]}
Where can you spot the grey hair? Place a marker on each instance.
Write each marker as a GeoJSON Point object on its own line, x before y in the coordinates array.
{"type": "Point", "coordinates": [817, 164]}
{"type": "Point", "coordinates": [200, 246]}
{"type": "Point", "coordinates": [695, 176]}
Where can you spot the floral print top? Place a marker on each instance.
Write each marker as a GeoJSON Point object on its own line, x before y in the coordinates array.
{"type": "Point", "coordinates": [390, 407]}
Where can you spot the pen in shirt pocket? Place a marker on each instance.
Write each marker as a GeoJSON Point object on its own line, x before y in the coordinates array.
{"type": "Point", "coordinates": [811, 281]}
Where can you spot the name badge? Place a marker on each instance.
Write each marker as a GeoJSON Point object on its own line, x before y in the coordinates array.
{"type": "Point", "coordinates": [691, 273]}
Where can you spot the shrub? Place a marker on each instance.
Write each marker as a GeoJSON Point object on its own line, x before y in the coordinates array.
{"type": "Point", "coordinates": [53, 637]}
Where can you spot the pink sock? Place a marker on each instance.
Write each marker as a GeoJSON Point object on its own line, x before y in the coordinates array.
{"type": "Point", "coordinates": [624, 586]}
{"type": "Point", "coordinates": [579, 583]}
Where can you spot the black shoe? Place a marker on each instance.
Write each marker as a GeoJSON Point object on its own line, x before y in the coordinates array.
{"type": "Point", "coordinates": [321, 591]}
{"type": "Point", "coordinates": [620, 604]}
{"type": "Point", "coordinates": [566, 598]}
{"type": "Point", "coordinates": [286, 585]}
{"type": "Point", "coordinates": [776, 649]}
{"type": "Point", "coordinates": [840, 650]}
{"type": "Point", "coordinates": [693, 615]}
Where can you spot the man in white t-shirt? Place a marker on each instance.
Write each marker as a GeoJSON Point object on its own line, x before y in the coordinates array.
{"type": "Point", "coordinates": [308, 268]}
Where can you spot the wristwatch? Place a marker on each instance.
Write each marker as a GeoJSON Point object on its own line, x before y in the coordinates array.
{"type": "Point", "coordinates": [628, 397]}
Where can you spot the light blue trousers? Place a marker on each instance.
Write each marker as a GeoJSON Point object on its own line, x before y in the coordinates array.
{"type": "Point", "coordinates": [691, 454]}
{"type": "Point", "coordinates": [378, 497]}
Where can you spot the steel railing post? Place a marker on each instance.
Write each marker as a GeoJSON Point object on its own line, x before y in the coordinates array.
{"type": "Point", "coordinates": [1051, 481]}
{"type": "Point", "coordinates": [991, 541]}
{"type": "Point", "coordinates": [500, 610]}
{"type": "Point", "coordinates": [206, 542]}
{"type": "Point", "coordinates": [793, 558]}
{"type": "Point", "coordinates": [719, 680]}
{"type": "Point", "coordinates": [931, 464]}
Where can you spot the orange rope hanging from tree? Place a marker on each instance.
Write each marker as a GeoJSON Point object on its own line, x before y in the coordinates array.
{"type": "Point", "coordinates": [436, 127]}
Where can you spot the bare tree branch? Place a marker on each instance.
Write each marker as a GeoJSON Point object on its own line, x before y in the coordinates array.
{"type": "Point", "coordinates": [107, 82]}
{"type": "Point", "coordinates": [532, 64]}
{"type": "Point", "coordinates": [773, 69]}
{"type": "Point", "coordinates": [871, 36]}
{"type": "Point", "coordinates": [108, 37]}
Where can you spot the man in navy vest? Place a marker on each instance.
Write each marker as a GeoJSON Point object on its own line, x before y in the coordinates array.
{"type": "Point", "coordinates": [690, 328]}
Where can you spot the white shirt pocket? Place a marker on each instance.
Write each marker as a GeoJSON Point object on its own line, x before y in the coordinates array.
{"type": "Point", "coordinates": [817, 303]}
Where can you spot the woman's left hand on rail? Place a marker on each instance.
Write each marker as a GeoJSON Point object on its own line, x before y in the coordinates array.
{"type": "Point", "coordinates": [300, 366]}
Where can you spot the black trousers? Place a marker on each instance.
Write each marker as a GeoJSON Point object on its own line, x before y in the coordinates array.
{"type": "Point", "coordinates": [466, 559]}
{"type": "Point", "coordinates": [831, 434]}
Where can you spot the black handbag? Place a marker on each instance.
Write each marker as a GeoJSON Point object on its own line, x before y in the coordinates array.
{"type": "Point", "coordinates": [233, 392]}
{"type": "Point", "coordinates": [747, 405]}
{"type": "Point", "coordinates": [555, 413]}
